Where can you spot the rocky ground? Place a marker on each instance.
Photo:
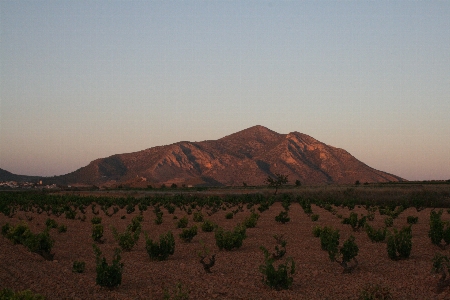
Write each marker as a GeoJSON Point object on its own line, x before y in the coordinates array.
{"type": "Point", "coordinates": [235, 274]}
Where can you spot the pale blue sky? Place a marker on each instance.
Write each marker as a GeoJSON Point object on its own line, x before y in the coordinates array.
{"type": "Point", "coordinates": [82, 80]}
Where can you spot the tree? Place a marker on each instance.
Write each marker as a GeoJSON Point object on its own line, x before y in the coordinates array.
{"type": "Point", "coordinates": [276, 182]}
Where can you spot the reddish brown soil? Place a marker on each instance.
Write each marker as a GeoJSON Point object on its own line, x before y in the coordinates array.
{"type": "Point", "coordinates": [235, 274]}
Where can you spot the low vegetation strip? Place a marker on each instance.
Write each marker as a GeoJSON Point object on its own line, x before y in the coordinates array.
{"type": "Point", "coordinates": [352, 231]}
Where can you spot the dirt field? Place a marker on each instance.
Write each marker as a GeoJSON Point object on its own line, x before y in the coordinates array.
{"type": "Point", "coordinates": [235, 274]}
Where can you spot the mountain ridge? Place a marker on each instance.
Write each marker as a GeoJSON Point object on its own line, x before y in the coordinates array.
{"type": "Point", "coordinates": [247, 156]}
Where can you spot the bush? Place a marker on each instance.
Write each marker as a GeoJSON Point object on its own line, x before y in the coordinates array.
{"type": "Point", "coordinates": [159, 219]}
{"type": "Point", "coordinates": [188, 234]}
{"type": "Point", "coordinates": [208, 226]}
{"type": "Point", "coordinates": [229, 216]}
{"type": "Point", "coordinates": [375, 235]}
{"type": "Point", "coordinates": [229, 240]}
{"type": "Point", "coordinates": [314, 217]}
{"type": "Point", "coordinates": [250, 222]}
{"type": "Point", "coordinates": [62, 228]}
{"type": "Point", "coordinates": [170, 208]}
{"type": "Point", "coordinates": [96, 220]}
{"type": "Point", "coordinates": [135, 223]}
{"type": "Point", "coordinates": [389, 222]}
{"type": "Point", "coordinates": [130, 208]}
{"type": "Point", "coordinates": [439, 230]}
{"type": "Point", "coordinates": [183, 222]}
{"type": "Point", "coordinates": [50, 223]}
{"type": "Point", "coordinates": [279, 278]}
{"type": "Point", "coordinates": [329, 240]}
{"type": "Point", "coordinates": [70, 214]}
{"type": "Point", "coordinates": [127, 239]}
{"type": "Point", "coordinates": [108, 275]}
{"type": "Point", "coordinates": [282, 217]}
{"type": "Point", "coordinates": [441, 264]}
{"type": "Point", "coordinates": [399, 243]}
{"type": "Point", "coordinates": [412, 220]}
{"type": "Point", "coordinates": [162, 250]}
{"type": "Point", "coordinates": [78, 266]}
{"type": "Point", "coordinates": [8, 294]}
{"type": "Point", "coordinates": [354, 222]}
{"type": "Point", "coordinates": [198, 217]}
{"type": "Point", "coordinates": [40, 243]}
{"type": "Point", "coordinates": [316, 231]}
{"type": "Point", "coordinates": [97, 232]}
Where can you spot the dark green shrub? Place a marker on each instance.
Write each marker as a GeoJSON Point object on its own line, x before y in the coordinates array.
{"type": "Point", "coordinates": [162, 250]}
{"type": "Point", "coordinates": [97, 232]}
{"type": "Point", "coordinates": [282, 217]}
{"type": "Point", "coordinates": [96, 220]}
{"type": "Point", "coordinates": [127, 239]}
{"type": "Point", "coordinates": [412, 220]}
{"type": "Point", "coordinates": [198, 217]}
{"type": "Point", "coordinates": [229, 240]}
{"type": "Point", "coordinates": [389, 222]}
{"type": "Point", "coordinates": [354, 222]}
{"type": "Point", "coordinates": [375, 235]}
{"type": "Point", "coordinates": [170, 208]}
{"type": "Point", "coordinates": [208, 226]}
{"type": "Point", "coordinates": [78, 266]}
{"type": "Point", "coordinates": [229, 215]}
{"type": "Point", "coordinates": [70, 214]}
{"type": "Point", "coordinates": [203, 255]}
{"type": "Point", "coordinates": [5, 229]}
{"type": "Point", "coordinates": [399, 243]}
{"type": "Point", "coordinates": [250, 222]}
{"type": "Point", "coordinates": [135, 223]}
{"type": "Point", "coordinates": [40, 243]}
{"type": "Point", "coordinates": [7, 294]}
{"type": "Point", "coordinates": [183, 222]}
{"type": "Point", "coordinates": [159, 218]}
{"type": "Point", "coordinates": [314, 217]}
{"type": "Point", "coordinates": [438, 229]}
{"type": "Point", "coordinates": [50, 223]}
{"type": "Point", "coordinates": [188, 234]}
{"type": "Point", "coordinates": [316, 231]}
{"type": "Point", "coordinates": [306, 206]}
{"type": "Point", "coordinates": [108, 275]}
{"type": "Point", "coordinates": [329, 241]}
{"type": "Point", "coordinates": [280, 247]}
{"type": "Point", "coordinates": [279, 278]}
{"type": "Point", "coordinates": [62, 228]}
{"type": "Point", "coordinates": [441, 264]}
{"type": "Point", "coordinates": [130, 208]}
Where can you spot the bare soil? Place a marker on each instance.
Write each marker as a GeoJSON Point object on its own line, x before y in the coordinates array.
{"type": "Point", "coordinates": [235, 274]}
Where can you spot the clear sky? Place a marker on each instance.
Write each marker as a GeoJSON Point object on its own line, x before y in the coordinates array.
{"type": "Point", "coordinates": [81, 80]}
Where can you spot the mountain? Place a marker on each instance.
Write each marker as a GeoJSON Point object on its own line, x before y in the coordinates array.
{"type": "Point", "coordinates": [249, 156]}
{"type": "Point", "coordinates": [8, 176]}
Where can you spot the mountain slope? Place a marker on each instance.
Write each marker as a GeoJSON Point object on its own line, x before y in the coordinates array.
{"type": "Point", "coordinates": [249, 156]}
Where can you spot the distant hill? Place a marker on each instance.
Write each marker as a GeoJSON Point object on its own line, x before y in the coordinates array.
{"type": "Point", "coordinates": [249, 156]}
{"type": "Point", "coordinates": [8, 176]}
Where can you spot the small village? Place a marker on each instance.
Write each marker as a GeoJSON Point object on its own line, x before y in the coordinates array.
{"type": "Point", "coordinates": [26, 185]}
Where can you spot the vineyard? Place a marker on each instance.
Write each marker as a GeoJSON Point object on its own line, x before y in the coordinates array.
{"type": "Point", "coordinates": [344, 242]}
